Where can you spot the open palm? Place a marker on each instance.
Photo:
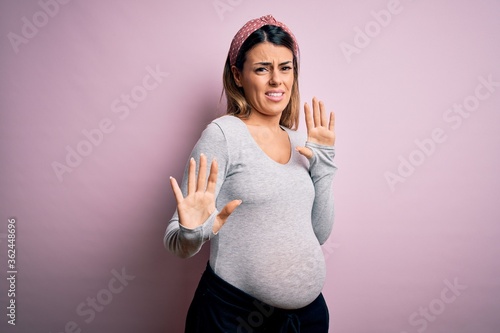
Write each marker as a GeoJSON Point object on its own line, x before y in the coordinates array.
{"type": "Point", "coordinates": [199, 204]}
{"type": "Point", "coordinates": [320, 128]}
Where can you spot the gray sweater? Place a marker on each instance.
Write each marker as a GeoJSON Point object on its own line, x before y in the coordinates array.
{"type": "Point", "coordinates": [270, 245]}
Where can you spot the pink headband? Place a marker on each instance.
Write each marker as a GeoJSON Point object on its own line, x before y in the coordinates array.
{"type": "Point", "coordinates": [249, 28]}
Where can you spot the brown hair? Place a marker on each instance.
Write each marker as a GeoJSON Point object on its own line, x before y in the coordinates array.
{"type": "Point", "coordinates": [236, 102]}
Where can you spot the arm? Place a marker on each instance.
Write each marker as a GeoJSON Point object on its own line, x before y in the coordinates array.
{"type": "Point", "coordinates": [322, 170]}
{"type": "Point", "coordinates": [196, 219]}
{"type": "Point", "coordinates": [320, 151]}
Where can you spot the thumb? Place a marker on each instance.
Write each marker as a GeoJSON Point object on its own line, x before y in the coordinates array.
{"type": "Point", "coordinates": [305, 151]}
{"type": "Point", "coordinates": [224, 214]}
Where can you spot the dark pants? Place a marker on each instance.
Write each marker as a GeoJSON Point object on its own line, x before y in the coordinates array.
{"type": "Point", "coordinates": [219, 307]}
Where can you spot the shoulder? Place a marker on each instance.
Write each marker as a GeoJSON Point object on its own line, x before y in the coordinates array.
{"type": "Point", "coordinates": [228, 125]}
{"type": "Point", "coordinates": [218, 125]}
{"type": "Point", "coordinates": [227, 122]}
{"type": "Point", "coordinates": [222, 129]}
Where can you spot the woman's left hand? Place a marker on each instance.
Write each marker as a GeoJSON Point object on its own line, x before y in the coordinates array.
{"type": "Point", "coordinates": [320, 130]}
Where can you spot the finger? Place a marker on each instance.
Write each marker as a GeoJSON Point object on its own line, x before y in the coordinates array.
{"type": "Point", "coordinates": [331, 126]}
{"type": "Point", "coordinates": [212, 178]}
{"type": "Point", "coordinates": [177, 191]}
{"type": "Point", "coordinates": [202, 174]}
{"type": "Point", "coordinates": [305, 151]}
{"type": "Point", "coordinates": [191, 176]}
{"type": "Point", "coordinates": [227, 210]}
{"type": "Point", "coordinates": [308, 116]}
{"type": "Point", "coordinates": [316, 113]}
{"type": "Point", "coordinates": [221, 218]}
{"type": "Point", "coordinates": [323, 114]}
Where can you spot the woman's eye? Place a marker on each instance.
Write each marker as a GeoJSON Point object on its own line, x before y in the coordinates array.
{"type": "Point", "coordinates": [260, 69]}
{"type": "Point", "coordinates": [286, 68]}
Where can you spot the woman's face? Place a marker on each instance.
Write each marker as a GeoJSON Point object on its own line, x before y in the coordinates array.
{"type": "Point", "coordinates": [267, 78]}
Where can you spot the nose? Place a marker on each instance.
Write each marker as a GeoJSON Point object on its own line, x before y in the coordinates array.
{"type": "Point", "coordinates": [275, 79]}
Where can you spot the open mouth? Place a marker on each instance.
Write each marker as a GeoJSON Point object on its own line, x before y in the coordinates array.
{"type": "Point", "coordinates": [275, 94]}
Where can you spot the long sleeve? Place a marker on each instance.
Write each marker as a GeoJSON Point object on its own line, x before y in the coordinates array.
{"type": "Point", "coordinates": [322, 170]}
{"type": "Point", "coordinates": [182, 241]}
{"type": "Point", "coordinates": [270, 245]}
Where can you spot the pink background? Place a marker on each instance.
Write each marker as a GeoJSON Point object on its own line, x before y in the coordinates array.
{"type": "Point", "coordinates": [393, 251]}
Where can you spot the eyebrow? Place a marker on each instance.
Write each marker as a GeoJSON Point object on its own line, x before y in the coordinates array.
{"type": "Point", "coordinates": [269, 63]}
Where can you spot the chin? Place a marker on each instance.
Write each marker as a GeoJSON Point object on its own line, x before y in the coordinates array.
{"type": "Point", "coordinates": [277, 107]}
{"type": "Point", "coordinates": [274, 110]}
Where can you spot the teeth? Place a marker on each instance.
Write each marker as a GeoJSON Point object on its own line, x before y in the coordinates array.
{"type": "Point", "coordinates": [275, 94]}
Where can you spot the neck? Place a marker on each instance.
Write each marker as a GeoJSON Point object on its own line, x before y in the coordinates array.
{"type": "Point", "coordinates": [258, 119]}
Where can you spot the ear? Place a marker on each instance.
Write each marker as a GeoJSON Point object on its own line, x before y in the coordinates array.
{"type": "Point", "coordinates": [236, 76]}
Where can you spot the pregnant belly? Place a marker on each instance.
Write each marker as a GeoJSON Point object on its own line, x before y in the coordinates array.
{"type": "Point", "coordinates": [286, 272]}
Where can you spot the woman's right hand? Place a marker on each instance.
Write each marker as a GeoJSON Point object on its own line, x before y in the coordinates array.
{"type": "Point", "coordinates": [199, 204]}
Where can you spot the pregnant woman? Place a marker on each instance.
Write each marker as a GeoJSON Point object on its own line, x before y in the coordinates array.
{"type": "Point", "coordinates": [261, 192]}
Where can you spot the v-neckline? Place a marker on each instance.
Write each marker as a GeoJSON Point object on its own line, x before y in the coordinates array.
{"type": "Point", "coordinates": [262, 150]}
